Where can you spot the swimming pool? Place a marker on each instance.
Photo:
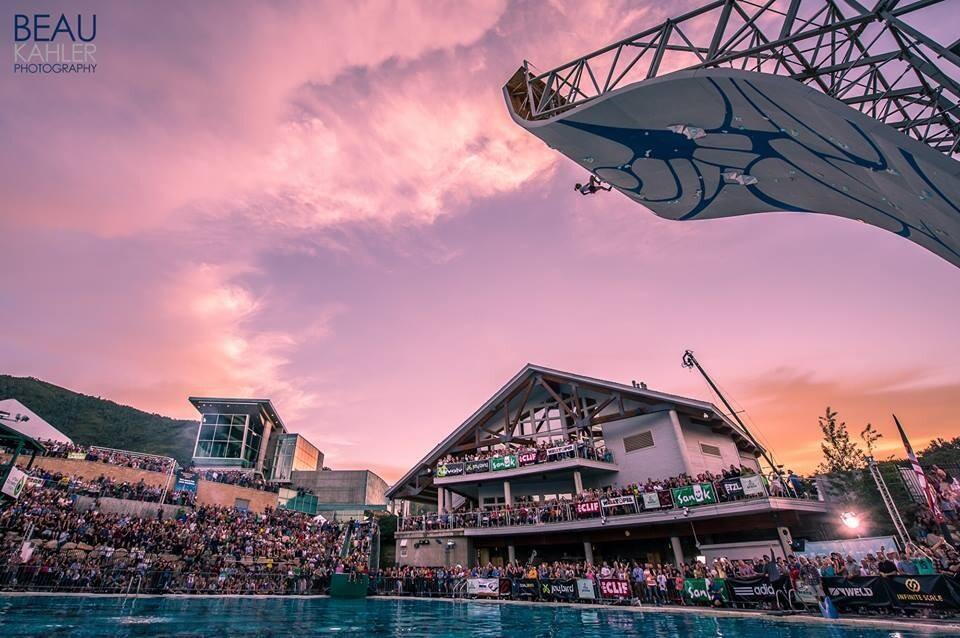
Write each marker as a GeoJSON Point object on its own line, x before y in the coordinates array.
{"type": "Point", "coordinates": [51, 616]}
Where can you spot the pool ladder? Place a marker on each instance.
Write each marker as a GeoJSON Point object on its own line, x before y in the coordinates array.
{"type": "Point", "coordinates": [139, 581]}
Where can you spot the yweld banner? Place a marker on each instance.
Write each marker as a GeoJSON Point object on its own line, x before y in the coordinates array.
{"type": "Point", "coordinates": [483, 586]}
{"type": "Point", "coordinates": [585, 589]}
{"type": "Point", "coordinates": [614, 588]}
{"type": "Point", "coordinates": [696, 494]}
{"type": "Point", "coordinates": [857, 591]}
{"type": "Point", "coordinates": [450, 469]}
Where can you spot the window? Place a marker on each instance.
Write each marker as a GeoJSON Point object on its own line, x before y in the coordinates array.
{"type": "Point", "coordinates": [221, 436]}
{"type": "Point", "coordinates": [638, 441]}
{"type": "Point", "coordinates": [242, 504]}
{"type": "Point", "coordinates": [711, 450]}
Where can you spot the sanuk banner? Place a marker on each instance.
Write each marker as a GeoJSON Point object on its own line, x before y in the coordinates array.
{"type": "Point", "coordinates": [503, 463]}
{"type": "Point", "coordinates": [702, 590]}
{"type": "Point", "coordinates": [696, 494]}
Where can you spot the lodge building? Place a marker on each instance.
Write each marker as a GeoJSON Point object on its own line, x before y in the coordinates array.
{"type": "Point", "coordinates": [547, 469]}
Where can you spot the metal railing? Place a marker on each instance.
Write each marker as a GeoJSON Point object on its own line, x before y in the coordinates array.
{"type": "Point", "coordinates": [543, 457]}
{"type": "Point", "coordinates": [871, 59]}
{"type": "Point", "coordinates": [526, 514]}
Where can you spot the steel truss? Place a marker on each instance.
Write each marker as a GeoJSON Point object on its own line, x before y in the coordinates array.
{"type": "Point", "coordinates": [870, 59]}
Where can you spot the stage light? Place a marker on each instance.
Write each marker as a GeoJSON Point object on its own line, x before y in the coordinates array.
{"type": "Point", "coordinates": [850, 519]}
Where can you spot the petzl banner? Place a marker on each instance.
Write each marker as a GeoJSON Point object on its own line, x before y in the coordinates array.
{"type": "Point", "coordinates": [696, 494]}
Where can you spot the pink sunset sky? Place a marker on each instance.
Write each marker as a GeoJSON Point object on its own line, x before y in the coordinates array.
{"type": "Point", "coordinates": [327, 204]}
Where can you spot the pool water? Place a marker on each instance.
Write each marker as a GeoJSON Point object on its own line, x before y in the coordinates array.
{"type": "Point", "coordinates": [50, 616]}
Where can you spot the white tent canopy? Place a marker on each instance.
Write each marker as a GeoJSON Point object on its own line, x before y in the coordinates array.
{"type": "Point", "coordinates": [34, 426]}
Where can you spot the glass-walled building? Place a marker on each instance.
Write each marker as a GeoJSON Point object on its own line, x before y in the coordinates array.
{"type": "Point", "coordinates": [235, 433]}
{"type": "Point", "coordinates": [293, 452]}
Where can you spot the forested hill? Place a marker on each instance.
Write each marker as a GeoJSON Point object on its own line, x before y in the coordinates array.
{"type": "Point", "coordinates": [94, 421]}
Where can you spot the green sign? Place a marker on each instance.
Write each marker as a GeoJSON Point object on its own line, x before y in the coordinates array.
{"type": "Point", "coordinates": [701, 590]}
{"type": "Point", "coordinates": [503, 463]}
{"type": "Point", "coordinates": [696, 494]}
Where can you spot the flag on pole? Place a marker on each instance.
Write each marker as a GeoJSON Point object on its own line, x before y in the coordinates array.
{"type": "Point", "coordinates": [925, 486]}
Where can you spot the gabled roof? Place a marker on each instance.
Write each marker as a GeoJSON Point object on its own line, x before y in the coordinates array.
{"type": "Point", "coordinates": [709, 410]}
{"type": "Point", "coordinates": [34, 426]}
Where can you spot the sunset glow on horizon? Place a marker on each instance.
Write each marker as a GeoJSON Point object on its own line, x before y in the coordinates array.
{"type": "Point", "coordinates": [328, 205]}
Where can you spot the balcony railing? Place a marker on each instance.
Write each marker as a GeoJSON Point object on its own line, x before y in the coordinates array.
{"type": "Point", "coordinates": [730, 490]}
{"type": "Point", "coordinates": [525, 458]}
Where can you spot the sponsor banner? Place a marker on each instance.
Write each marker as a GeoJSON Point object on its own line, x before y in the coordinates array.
{"type": "Point", "coordinates": [919, 592]}
{"type": "Point", "coordinates": [562, 449]}
{"type": "Point", "coordinates": [77, 456]}
{"type": "Point", "coordinates": [732, 486]}
{"type": "Point", "coordinates": [483, 586]}
{"type": "Point", "coordinates": [503, 463]}
{"type": "Point", "coordinates": [527, 458]}
{"type": "Point", "coordinates": [611, 588]}
{"type": "Point", "coordinates": [15, 482]}
{"type": "Point", "coordinates": [475, 467]}
{"type": "Point", "coordinates": [186, 482]}
{"type": "Point", "coordinates": [528, 588]}
{"type": "Point", "coordinates": [753, 485]}
{"type": "Point", "coordinates": [701, 591]}
{"type": "Point", "coordinates": [506, 587]}
{"type": "Point", "coordinates": [558, 589]}
{"type": "Point", "coordinates": [619, 500]}
{"type": "Point", "coordinates": [751, 590]}
{"type": "Point", "coordinates": [34, 481]}
{"type": "Point", "coordinates": [450, 469]}
{"type": "Point", "coordinates": [666, 498]}
{"type": "Point", "coordinates": [585, 589]}
{"type": "Point", "coordinates": [587, 508]}
{"type": "Point", "coordinates": [857, 591]}
{"type": "Point", "coordinates": [651, 501]}
{"type": "Point", "coordinates": [696, 494]}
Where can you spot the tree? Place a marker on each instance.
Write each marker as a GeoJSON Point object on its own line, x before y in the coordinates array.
{"type": "Point", "coordinates": [840, 454]}
{"type": "Point", "coordinates": [870, 436]}
{"type": "Point", "coordinates": [941, 452]}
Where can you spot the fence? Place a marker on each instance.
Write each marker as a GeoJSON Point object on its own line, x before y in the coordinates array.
{"type": "Point", "coordinates": [938, 593]}
{"type": "Point", "coordinates": [722, 491]}
{"type": "Point", "coordinates": [525, 457]}
{"type": "Point", "coordinates": [156, 581]}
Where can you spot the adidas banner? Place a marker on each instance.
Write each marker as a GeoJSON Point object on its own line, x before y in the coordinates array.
{"type": "Point", "coordinates": [753, 590]}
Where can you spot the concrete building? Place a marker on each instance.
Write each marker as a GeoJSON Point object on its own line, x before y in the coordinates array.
{"type": "Point", "coordinates": [519, 476]}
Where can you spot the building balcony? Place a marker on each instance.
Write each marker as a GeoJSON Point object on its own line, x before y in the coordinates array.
{"type": "Point", "coordinates": [504, 468]}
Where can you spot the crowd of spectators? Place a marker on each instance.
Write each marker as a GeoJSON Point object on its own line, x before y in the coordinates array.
{"type": "Point", "coordinates": [239, 478]}
{"type": "Point", "coordinates": [207, 549]}
{"type": "Point", "coordinates": [582, 448]}
{"type": "Point", "coordinates": [562, 508]}
{"type": "Point", "coordinates": [662, 584]}
{"type": "Point", "coordinates": [104, 486]}
{"type": "Point", "coordinates": [122, 458]}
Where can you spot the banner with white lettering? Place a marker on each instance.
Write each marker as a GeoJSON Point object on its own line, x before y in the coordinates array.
{"type": "Point", "coordinates": [856, 591]}
{"type": "Point", "coordinates": [753, 485]}
{"type": "Point", "coordinates": [498, 463]}
{"type": "Point", "coordinates": [696, 494]}
{"type": "Point", "coordinates": [562, 450]}
{"type": "Point", "coordinates": [651, 500]}
{"type": "Point", "coordinates": [585, 589]}
{"type": "Point", "coordinates": [921, 592]}
{"type": "Point", "coordinates": [15, 482]}
{"type": "Point", "coordinates": [527, 458]}
{"type": "Point", "coordinates": [483, 586]}
{"type": "Point", "coordinates": [614, 588]}
{"type": "Point", "coordinates": [450, 469]}
{"type": "Point", "coordinates": [475, 467]}
{"type": "Point", "coordinates": [558, 589]}
{"type": "Point", "coordinates": [588, 508]}
{"type": "Point", "coordinates": [752, 590]}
